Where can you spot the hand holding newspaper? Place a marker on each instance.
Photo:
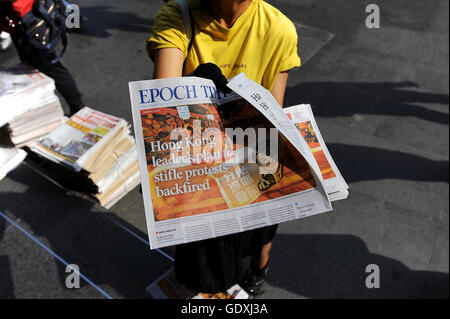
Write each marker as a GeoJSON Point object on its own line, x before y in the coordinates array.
{"type": "Point", "coordinates": [204, 162]}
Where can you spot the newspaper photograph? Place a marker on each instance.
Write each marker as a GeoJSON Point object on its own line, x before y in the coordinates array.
{"type": "Point", "coordinates": [214, 164]}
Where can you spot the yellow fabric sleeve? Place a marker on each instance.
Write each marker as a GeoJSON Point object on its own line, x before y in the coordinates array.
{"type": "Point", "coordinates": [168, 31]}
{"type": "Point", "coordinates": [291, 59]}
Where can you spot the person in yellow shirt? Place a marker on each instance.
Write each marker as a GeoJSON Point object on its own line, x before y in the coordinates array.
{"type": "Point", "coordinates": [226, 37]}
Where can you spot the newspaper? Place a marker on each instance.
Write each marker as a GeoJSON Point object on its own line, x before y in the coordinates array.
{"type": "Point", "coordinates": [75, 142]}
{"type": "Point", "coordinates": [304, 120]}
{"type": "Point", "coordinates": [29, 108]}
{"type": "Point", "coordinates": [10, 158]}
{"type": "Point", "coordinates": [202, 179]}
{"type": "Point", "coordinates": [92, 153]}
{"type": "Point", "coordinates": [23, 89]}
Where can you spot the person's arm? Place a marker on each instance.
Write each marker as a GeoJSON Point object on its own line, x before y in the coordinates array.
{"type": "Point", "coordinates": [168, 63]}
{"type": "Point", "coordinates": [279, 87]}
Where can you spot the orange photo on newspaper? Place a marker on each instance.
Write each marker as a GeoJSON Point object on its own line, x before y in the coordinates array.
{"type": "Point", "coordinates": [307, 131]}
{"type": "Point", "coordinates": [205, 185]}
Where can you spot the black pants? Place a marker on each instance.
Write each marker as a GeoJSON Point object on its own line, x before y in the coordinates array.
{"type": "Point", "coordinates": [214, 265]}
{"type": "Point", "coordinates": [64, 82]}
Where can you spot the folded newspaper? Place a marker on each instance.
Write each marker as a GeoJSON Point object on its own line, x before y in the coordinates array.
{"type": "Point", "coordinates": [206, 170]}
{"type": "Point", "coordinates": [97, 154]}
{"type": "Point", "coordinates": [29, 108]}
{"type": "Point", "coordinates": [304, 120]}
{"type": "Point", "coordinates": [10, 158]}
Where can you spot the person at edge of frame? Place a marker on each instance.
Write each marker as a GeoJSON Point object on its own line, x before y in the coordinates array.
{"type": "Point", "coordinates": [11, 12]}
{"type": "Point", "coordinates": [249, 36]}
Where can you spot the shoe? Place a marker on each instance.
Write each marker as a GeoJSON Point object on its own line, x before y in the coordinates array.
{"type": "Point", "coordinates": [254, 280]}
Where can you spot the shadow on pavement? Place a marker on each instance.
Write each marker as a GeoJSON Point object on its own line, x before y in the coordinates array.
{"type": "Point", "coordinates": [331, 99]}
{"type": "Point", "coordinates": [360, 163]}
{"type": "Point", "coordinates": [103, 19]}
{"type": "Point", "coordinates": [333, 266]}
{"type": "Point", "coordinates": [105, 253]}
{"type": "Point", "coordinates": [6, 287]}
{"type": "Point", "coordinates": [314, 266]}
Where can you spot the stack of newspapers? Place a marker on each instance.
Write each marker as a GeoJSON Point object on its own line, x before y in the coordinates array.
{"type": "Point", "coordinates": [93, 153]}
{"type": "Point", "coordinates": [29, 108]}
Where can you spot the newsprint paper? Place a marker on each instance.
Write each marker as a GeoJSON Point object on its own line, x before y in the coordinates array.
{"type": "Point", "coordinates": [214, 164]}
{"type": "Point", "coordinates": [303, 119]}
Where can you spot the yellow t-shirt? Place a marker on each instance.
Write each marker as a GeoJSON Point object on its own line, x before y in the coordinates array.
{"type": "Point", "coordinates": [262, 42]}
